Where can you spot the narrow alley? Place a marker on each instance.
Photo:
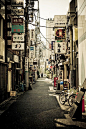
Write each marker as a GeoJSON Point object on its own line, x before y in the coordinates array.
{"type": "Point", "coordinates": [35, 109]}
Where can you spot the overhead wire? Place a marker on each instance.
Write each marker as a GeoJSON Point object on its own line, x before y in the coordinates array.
{"type": "Point", "coordinates": [40, 31]}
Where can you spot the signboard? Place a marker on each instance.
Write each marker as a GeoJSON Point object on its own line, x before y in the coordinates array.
{"type": "Point", "coordinates": [32, 52]}
{"type": "Point", "coordinates": [17, 46]}
{"type": "Point", "coordinates": [60, 47]}
{"type": "Point", "coordinates": [17, 20]}
{"type": "Point", "coordinates": [60, 20]}
{"type": "Point", "coordinates": [17, 12]}
{"type": "Point", "coordinates": [59, 34]}
{"type": "Point", "coordinates": [32, 34]}
{"type": "Point", "coordinates": [55, 82]}
{"type": "Point", "coordinates": [12, 93]}
{"type": "Point", "coordinates": [30, 64]}
{"type": "Point", "coordinates": [26, 64]}
{"type": "Point", "coordinates": [18, 37]}
{"type": "Point", "coordinates": [17, 29]}
{"type": "Point", "coordinates": [17, 3]}
{"type": "Point", "coordinates": [52, 45]}
{"type": "Point", "coordinates": [2, 49]}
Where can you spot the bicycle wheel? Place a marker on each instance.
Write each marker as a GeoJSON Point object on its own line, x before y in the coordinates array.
{"type": "Point", "coordinates": [62, 98]}
{"type": "Point", "coordinates": [71, 100]}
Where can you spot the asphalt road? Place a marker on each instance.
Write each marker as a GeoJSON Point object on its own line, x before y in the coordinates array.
{"type": "Point", "coordinates": [35, 109]}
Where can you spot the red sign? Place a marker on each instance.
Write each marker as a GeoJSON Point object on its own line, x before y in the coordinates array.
{"type": "Point", "coordinates": [60, 33]}
{"type": "Point", "coordinates": [17, 20]}
{"type": "Point", "coordinates": [55, 78]}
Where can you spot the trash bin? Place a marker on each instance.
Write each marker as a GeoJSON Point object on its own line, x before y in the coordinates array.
{"type": "Point", "coordinates": [61, 85]}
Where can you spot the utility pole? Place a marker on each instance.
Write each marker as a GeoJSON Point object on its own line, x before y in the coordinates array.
{"type": "Point", "coordinates": [5, 31]}
{"type": "Point", "coordinates": [26, 44]}
{"type": "Point", "coordinates": [71, 58]}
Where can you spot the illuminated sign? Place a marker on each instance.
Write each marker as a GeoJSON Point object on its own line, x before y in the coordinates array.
{"type": "Point", "coordinates": [59, 34]}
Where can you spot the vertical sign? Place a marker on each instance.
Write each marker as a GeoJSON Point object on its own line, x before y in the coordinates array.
{"type": "Point", "coordinates": [26, 64]}
{"type": "Point", "coordinates": [52, 45]}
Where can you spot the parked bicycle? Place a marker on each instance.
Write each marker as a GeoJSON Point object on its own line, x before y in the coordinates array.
{"type": "Point", "coordinates": [67, 96]}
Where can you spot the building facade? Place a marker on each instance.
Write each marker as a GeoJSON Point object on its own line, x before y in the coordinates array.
{"type": "Point", "coordinates": [82, 41]}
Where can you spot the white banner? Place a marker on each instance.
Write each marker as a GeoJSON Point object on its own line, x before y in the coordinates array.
{"type": "Point", "coordinates": [17, 46]}
{"type": "Point", "coordinates": [60, 47]}
{"type": "Point", "coordinates": [18, 37]}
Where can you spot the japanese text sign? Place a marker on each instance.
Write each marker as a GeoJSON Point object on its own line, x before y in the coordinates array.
{"type": "Point", "coordinates": [17, 20]}
{"type": "Point", "coordinates": [19, 12]}
{"type": "Point", "coordinates": [18, 37]}
{"type": "Point", "coordinates": [17, 29]}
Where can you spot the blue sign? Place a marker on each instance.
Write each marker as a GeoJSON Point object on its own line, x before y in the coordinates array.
{"type": "Point", "coordinates": [31, 48]}
{"type": "Point", "coordinates": [52, 45]}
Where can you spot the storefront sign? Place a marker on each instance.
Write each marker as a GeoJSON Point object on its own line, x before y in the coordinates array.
{"type": "Point", "coordinates": [17, 20]}
{"type": "Point", "coordinates": [17, 29]}
{"type": "Point", "coordinates": [59, 34]}
{"type": "Point", "coordinates": [17, 46]}
{"type": "Point", "coordinates": [60, 47]}
{"type": "Point", "coordinates": [19, 12]}
{"type": "Point", "coordinates": [18, 37]}
{"type": "Point", "coordinates": [52, 45]}
{"type": "Point", "coordinates": [32, 52]}
{"type": "Point", "coordinates": [32, 34]}
{"type": "Point", "coordinates": [17, 3]}
{"type": "Point", "coordinates": [12, 93]}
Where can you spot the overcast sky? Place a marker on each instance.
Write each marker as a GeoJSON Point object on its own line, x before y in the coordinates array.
{"type": "Point", "coordinates": [49, 8]}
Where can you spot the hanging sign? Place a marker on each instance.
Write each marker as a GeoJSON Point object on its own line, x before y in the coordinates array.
{"type": "Point", "coordinates": [17, 46]}
{"type": "Point", "coordinates": [19, 12]}
{"type": "Point", "coordinates": [32, 52]}
{"type": "Point", "coordinates": [17, 20]}
{"type": "Point", "coordinates": [17, 29]}
{"type": "Point", "coordinates": [18, 37]}
{"type": "Point", "coordinates": [17, 3]}
{"type": "Point", "coordinates": [52, 45]}
{"type": "Point", "coordinates": [61, 47]}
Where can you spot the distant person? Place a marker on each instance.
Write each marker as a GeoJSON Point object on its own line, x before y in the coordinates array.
{"type": "Point", "coordinates": [41, 74]}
